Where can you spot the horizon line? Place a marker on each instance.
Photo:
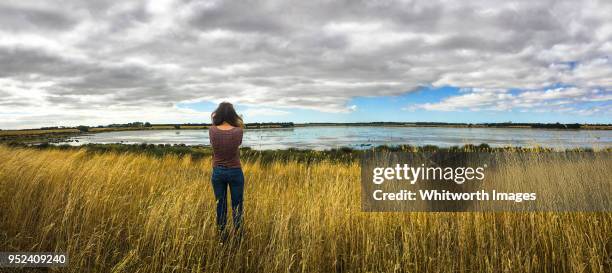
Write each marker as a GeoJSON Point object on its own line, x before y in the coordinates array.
{"type": "Point", "coordinates": [142, 124]}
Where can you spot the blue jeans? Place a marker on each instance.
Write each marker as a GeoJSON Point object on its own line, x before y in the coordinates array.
{"type": "Point", "coordinates": [223, 177]}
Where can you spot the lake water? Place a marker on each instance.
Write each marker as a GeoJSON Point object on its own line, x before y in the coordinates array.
{"type": "Point", "coordinates": [326, 137]}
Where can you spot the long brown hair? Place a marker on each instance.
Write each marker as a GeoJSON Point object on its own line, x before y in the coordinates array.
{"type": "Point", "coordinates": [225, 112]}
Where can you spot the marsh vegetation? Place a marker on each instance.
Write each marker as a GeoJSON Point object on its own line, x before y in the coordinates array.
{"type": "Point", "coordinates": [150, 209]}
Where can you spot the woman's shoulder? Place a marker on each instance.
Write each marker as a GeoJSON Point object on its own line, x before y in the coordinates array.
{"type": "Point", "coordinates": [227, 130]}
{"type": "Point", "coordinates": [236, 131]}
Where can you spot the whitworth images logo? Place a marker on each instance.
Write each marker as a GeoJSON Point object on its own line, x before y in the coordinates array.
{"type": "Point", "coordinates": [461, 181]}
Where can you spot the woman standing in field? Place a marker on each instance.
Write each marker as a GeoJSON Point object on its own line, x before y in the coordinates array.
{"type": "Point", "coordinates": [225, 137]}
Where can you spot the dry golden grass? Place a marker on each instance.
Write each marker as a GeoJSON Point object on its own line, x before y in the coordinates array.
{"type": "Point", "coordinates": [136, 213]}
{"type": "Point", "coordinates": [193, 127]}
{"type": "Point", "coordinates": [114, 129]}
{"type": "Point", "coordinates": [596, 127]}
{"type": "Point", "coordinates": [37, 132]}
{"type": "Point", "coordinates": [154, 127]}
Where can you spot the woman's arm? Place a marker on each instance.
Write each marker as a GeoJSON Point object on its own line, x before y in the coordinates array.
{"type": "Point", "coordinates": [210, 135]}
{"type": "Point", "coordinates": [212, 123]}
{"type": "Point", "coordinates": [241, 133]}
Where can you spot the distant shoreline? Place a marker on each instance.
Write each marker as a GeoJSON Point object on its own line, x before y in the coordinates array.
{"type": "Point", "coordinates": [271, 125]}
{"type": "Point", "coordinates": [550, 126]}
{"type": "Point", "coordinates": [59, 134]}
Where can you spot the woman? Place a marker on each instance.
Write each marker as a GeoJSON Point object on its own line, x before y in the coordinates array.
{"type": "Point", "coordinates": [225, 136]}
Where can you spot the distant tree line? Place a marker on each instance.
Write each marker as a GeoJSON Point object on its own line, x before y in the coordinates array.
{"type": "Point", "coordinates": [131, 124]}
{"type": "Point", "coordinates": [247, 125]}
{"type": "Point", "coordinates": [384, 123]}
{"type": "Point", "coordinates": [182, 124]}
{"type": "Point", "coordinates": [536, 125]}
{"type": "Point", "coordinates": [55, 127]}
{"type": "Point", "coordinates": [139, 124]}
{"type": "Point", "coordinates": [495, 125]}
{"type": "Point", "coordinates": [269, 125]}
{"type": "Point", "coordinates": [254, 125]}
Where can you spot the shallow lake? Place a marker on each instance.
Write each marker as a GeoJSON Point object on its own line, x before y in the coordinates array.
{"type": "Point", "coordinates": [326, 137]}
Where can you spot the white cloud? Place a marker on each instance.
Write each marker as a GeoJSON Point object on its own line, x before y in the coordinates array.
{"type": "Point", "coordinates": [86, 57]}
{"type": "Point", "coordinates": [557, 99]}
{"type": "Point", "coordinates": [254, 112]}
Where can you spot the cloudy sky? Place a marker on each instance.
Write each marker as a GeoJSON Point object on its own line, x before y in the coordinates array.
{"type": "Point", "coordinates": [100, 62]}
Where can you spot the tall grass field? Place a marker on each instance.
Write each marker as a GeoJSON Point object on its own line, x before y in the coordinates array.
{"type": "Point", "coordinates": [133, 212]}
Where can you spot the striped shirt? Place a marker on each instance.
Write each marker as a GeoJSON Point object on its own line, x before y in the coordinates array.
{"type": "Point", "coordinates": [225, 145]}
